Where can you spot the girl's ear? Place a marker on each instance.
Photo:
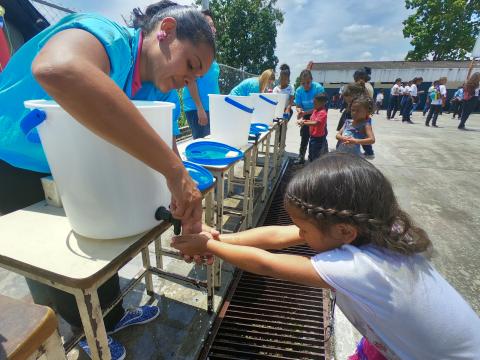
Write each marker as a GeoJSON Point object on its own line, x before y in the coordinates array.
{"type": "Point", "coordinates": [346, 233]}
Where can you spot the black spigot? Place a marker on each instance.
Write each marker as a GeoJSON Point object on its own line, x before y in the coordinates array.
{"type": "Point", "coordinates": [163, 214]}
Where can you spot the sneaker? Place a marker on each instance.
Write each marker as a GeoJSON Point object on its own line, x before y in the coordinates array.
{"type": "Point", "coordinates": [435, 126]}
{"type": "Point", "coordinates": [117, 350]}
{"type": "Point", "coordinates": [299, 162]}
{"type": "Point", "coordinates": [137, 316]}
{"type": "Point", "coordinates": [427, 124]}
{"type": "Point", "coordinates": [369, 157]}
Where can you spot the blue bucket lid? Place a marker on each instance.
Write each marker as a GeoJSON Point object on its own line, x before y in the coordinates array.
{"type": "Point", "coordinates": [200, 175]}
{"type": "Point", "coordinates": [212, 153]}
{"type": "Point", "coordinates": [256, 128]}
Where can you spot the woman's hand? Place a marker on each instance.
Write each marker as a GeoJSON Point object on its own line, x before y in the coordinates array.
{"type": "Point", "coordinates": [202, 117]}
{"type": "Point", "coordinates": [192, 245]}
{"type": "Point", "coordinates": [186, 201]}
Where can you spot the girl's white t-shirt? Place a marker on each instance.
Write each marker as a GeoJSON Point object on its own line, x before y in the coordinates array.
{"type": "Point", "coordinates": [413, 90]}
{"type": "Point", "coordinates": [400, 303]}
{"type": "Point", "coordinates": [288, 90]}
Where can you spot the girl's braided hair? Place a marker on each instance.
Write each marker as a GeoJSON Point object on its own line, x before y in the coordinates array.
{"type": "Point", "coordinates": [344, 188]}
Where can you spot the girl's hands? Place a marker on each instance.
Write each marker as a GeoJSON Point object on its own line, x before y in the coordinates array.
{"type": "Point", "coordinates": [348, 140]}
{"type": "Point", "coordinates": [193, 245]}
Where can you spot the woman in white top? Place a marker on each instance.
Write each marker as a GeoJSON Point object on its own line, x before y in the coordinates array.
{"type": "Point", "coordinates": [411, 97]}
{"type": "Point", "coordinates": [284, 87]}
{"type": "Point", "coordinates": [394, 101]}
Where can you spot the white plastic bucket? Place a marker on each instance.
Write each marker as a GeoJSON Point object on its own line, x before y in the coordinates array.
{"type": "Point", "coordinates": [106, 192]}
{"type": "Point", "coordinates": [230, 118]}
{"type": "Point", "coordinates": [265, 105]}
{"type": "Point", "coordinates": [282, 104]}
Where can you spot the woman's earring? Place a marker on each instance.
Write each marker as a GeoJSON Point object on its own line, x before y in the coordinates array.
{"type": "Point", "coordinates": [161, 35]}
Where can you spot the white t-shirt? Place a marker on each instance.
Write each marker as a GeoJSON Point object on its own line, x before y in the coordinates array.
{"type": "Point", "coordinates": [379, 98]}
{"type": "Point", "coordinates": [288, 90]}
{"type": "Point", "coordinates": [406, 90]}
{"type": "Point", "coordinates": [395, 90]}
{"type": "Point", "coordinates": [443, 92]}
{"type": "Point", "coordinates": [413, 90]}
{"type": "Point", "coordinates": [400, 303]}
{"type": "Point", "coordinates": [401, 90]}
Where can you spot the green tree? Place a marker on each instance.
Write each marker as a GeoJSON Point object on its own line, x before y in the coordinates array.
{"type": "Point", "coordinates": [246, 33]}
{"type": "Point", "coordinates": [441, 29]}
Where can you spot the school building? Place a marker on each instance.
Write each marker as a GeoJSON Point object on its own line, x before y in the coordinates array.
{"type": "Point", "coordinates": [334, 74]}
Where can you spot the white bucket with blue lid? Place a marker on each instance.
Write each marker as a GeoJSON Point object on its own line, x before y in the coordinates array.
{"type": "Point", "coordinates": [106, 192]}
{"type": "Point", "coordinates": [265, 105]}
{"type": "Point", "coordinates": [230, 118]}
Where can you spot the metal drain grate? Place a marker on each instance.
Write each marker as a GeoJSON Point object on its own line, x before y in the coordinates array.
{"type": "Point", "coordinates": [266, 318]}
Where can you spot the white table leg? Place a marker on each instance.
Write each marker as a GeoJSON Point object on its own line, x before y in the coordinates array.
{"type": "Point", "coordinates": [93, 325]}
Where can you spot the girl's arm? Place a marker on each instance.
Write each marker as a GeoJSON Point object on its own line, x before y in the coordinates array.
{"type": "Point", "coordinates": [293, 268]}
{"type": "Point", "coordinates": [202, 115]}
{"type": "Point", "coordinates": [73, 68]}
{"type": "Point", "coordinates": [266, 237]}
{"type": "Point", "coordinates": [339, 135]}
{"type": "Point", "coordinates": [309, 122]}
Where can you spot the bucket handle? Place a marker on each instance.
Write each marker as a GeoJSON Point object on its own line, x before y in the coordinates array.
{"type": "Point", "coordinates": [29, 123]}
{"type": "Point", "coordinates": [238, 105]}
{"type": "Point", "coordinates": [272, 102]}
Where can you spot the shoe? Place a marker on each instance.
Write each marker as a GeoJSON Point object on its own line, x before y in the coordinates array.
{"type": "Point", "coordinates": [137, 316]}
{"type": "Point", "coordinates": [427, 125]}
{"type": "Point", "coordinates": [369, 157]}
{"type": "Point", "coordinates": [435, 126]}
{"type": "Point", "coordinates": [117, 350]}
{"type": "Point", "coordinates": [299, 161]}
{"type": "Point", "coordinates": [461, 128]}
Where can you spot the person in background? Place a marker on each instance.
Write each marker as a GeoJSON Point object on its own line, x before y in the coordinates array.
{"type": "Point", "coordinates": [471, 93]}
{"type": "Point", "coordinates": [350, 92]}
{"type": "Point", "coordinates": [457, 102]}
{"type": "Point", "coordinates": [358, 130]}
{"type": "Point", "coordinates": [405, 96]}
{"type": "Point", "coordinates": [369, 252]}
{"type": "Point", "coordinates": [362, 76]}
{"type": "Point", "coordinates": [394, 102]}
{"type": "Point", "coordinates": [340, 96]}
{"type": "Point", "coordinates": [93, 67]}
{"type": "Point", "coordinates": [304, 96]}
{"type": "Point", "coordinates": [317, 124]}
{"type": "Point", "coordinates": [428, 100]}
{"type": "Point", "coordinates": [259, 84]}
{"type": "Point", "coordinates": [195, 94]}
{"type": "Point", "coordinates": [412, 98]}
{"type": "Point", "coordinates": [284, 87]}
{"type": "Point", "coordinates": [379, 101]}
{"type": "Point", "coordinates": [437, 101]}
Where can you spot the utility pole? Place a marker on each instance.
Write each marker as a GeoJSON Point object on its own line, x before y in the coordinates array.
{"type": "Point", "coordinates": [205, 5]}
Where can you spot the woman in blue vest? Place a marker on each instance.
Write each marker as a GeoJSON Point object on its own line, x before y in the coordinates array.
{"type": "Point", "coordinates": [255, 85]}
{"type": "Point", "coordinates": [92, 66]}
{"type": "Point", "coordinates": [304, 96]}
{"type": "Point", "coordinates": [195, 95]}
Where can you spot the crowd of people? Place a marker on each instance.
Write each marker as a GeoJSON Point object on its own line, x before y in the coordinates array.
{"type": "Point", "coordinates": [369, 251]}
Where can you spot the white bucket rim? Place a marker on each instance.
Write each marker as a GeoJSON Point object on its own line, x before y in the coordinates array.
{"type": "Point", "coordinates": [140, 104]}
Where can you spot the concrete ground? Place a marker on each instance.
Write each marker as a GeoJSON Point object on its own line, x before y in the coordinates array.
{"type": "Point", "coordinates": [435, 173]}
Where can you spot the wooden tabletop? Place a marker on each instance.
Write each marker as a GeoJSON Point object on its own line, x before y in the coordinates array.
{"type": "Point", "coordinates": [38, 240]}
{"type": "Point", "coordinates": [23, 327]}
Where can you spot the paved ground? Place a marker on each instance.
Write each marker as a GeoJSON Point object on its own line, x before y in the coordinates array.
{"type": "Point", "coordinates": [435, 173]}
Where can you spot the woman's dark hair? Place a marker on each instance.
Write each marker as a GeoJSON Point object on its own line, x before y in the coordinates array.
{"type": "Point", "coordinates": [397, 80]}
{"type": "Point", "coordinates": [191, 23]}
{"type": "Point", "coordinates": [208, 13]}
{"type": "Point", "coordinates": [306, 74]}
{"type": "Point", "coordinates": [344, 188]}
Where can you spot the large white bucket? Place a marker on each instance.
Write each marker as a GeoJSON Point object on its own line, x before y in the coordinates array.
{"type": "Point", "coordinates": [282, 104]}
{"type": "Point", "coordinates": [230, 118]}
{"type": "Point", "coordinates": [265, 105]}
{"type": "Point", "coordinates": [106, 192]}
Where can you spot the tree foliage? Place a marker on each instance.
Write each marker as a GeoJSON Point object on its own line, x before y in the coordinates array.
{"type": "Point", "coordinates": [442, 29]}
{"type": "Point", "coordinates": [246, 33]}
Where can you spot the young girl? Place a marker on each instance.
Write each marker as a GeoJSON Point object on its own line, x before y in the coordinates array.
{"type": "Point", "coordinates": [358, 130]}
{"type": "Point", "coordinates": [369, 254]}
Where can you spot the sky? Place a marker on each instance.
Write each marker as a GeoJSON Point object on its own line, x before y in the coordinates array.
{"type": "Point", "coordinates": [316, 30]}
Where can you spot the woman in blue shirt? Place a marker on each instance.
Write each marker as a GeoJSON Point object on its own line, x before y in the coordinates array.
{"type": "Point", "coordinates": [255, 85]}
{"type": "Point", "coordinates": [304, 96]}
{"type": "Point", "coordinates": [195, 95]}
{"type": "Point", "coordinates": [92, 66]}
